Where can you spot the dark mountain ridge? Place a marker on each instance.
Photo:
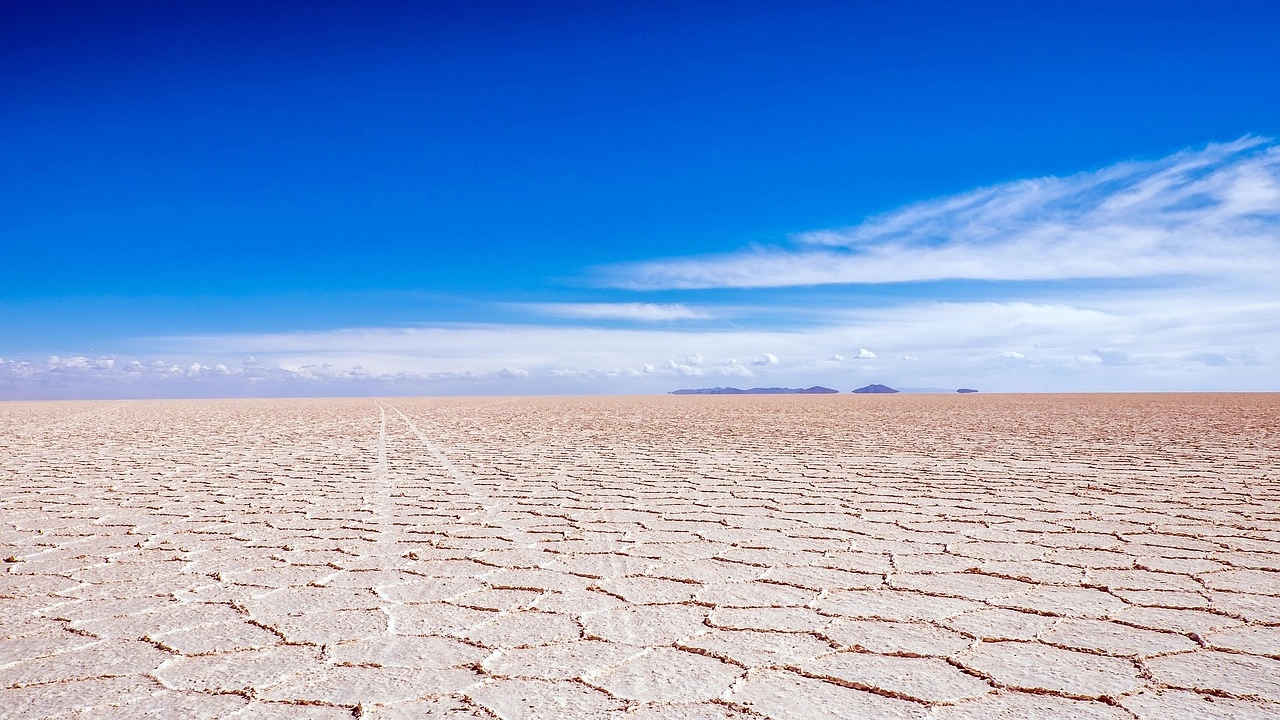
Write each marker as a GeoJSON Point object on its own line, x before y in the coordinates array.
{"type": "Point", "coordinates": [875, 388]}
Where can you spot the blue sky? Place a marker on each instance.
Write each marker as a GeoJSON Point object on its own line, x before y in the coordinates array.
{"type": "Point", "coordinates": [253, 199]}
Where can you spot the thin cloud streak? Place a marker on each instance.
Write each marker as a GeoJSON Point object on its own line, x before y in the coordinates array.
{"type": "Point", "coordinates": [1215, 338]}
{"type": "Point", "coordinates": [1207, 222]}
{"type": "Point", "coordinates": [1208, 213]}
{"type": "Point", "coordinates": [643, 312]}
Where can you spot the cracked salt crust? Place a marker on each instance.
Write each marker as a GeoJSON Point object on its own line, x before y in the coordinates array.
{"type": "Point", "coordinates": [907, 557]}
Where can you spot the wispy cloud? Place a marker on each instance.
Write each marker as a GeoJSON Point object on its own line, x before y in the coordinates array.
{"type": "Point", "coordinates": [1215, 337]}
{"type": "Point", "coordinates": [643, 312]}
{"type": "Point", "coordinates": [1213, 212]}
{"type": "Point", "coordinates": [1206, 220]}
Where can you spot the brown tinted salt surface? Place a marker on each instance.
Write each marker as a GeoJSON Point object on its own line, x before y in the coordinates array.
{"type": "Point", "coordinates": [1102, 556]}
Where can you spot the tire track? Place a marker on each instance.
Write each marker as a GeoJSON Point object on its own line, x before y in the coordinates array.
{"type": "Point", "coordinates": [380, 504]}
{"type": "Point", "coordinates": [490, 505]}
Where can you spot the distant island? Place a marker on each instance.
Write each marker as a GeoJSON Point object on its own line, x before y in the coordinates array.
{"type": "Point", "coordinates": [966, 390]}
{"type": "Point", "coordinates": [815, 390]}
{"type": "Point", "coordinates": [875, 389]}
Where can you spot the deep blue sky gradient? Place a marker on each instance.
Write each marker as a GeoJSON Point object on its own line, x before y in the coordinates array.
{"type": "Point", "coordinates": [204, 167]}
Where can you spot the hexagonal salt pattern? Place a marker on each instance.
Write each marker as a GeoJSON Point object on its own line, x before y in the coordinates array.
{"type": "Point", "coordinates": [671, 557]}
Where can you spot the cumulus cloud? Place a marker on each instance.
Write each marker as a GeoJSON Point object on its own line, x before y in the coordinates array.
{"type": "Point", "coordinates": [80, 363]}
{"type": "Point", "coordinates": [645, 312]}
{"type": "Point", "coordinates": [1207, 220]}
{"type": "Point", "coordinates": [682, 368]}
{"type": "Point", "coordinates": [733, 368]}
{"type": "Point", "coordinates": [1163, 326]}
{"type": "Point", "coordinates": [83, 377]}
{"type": "Point", "coordinates": [1211, 212]}
{"type": "Point", "coordinates": [1224, 337]}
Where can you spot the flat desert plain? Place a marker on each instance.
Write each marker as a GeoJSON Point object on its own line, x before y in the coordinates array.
{"type": "Point", "coordinates": [944, 557]}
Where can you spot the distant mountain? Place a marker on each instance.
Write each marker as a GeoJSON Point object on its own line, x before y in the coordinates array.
{"type": "Point", "coordinates": [815, 390]}
{"type": "Point", "coordinates": [875, 389]}
{"type": "Point", "coordinates": [966, 390]}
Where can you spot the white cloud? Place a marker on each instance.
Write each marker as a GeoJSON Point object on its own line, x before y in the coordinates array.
{"type": "Point", "coordinates": [1215, 337]}
{"type": "Point", "coordinates": [682, 368]}
{"type": "Point", "coordinates": [80, 364]}
{"type": "Point", "coordinates": [595, 373]}
{"type": "Point", "coordinates": [1112, 356]}
{"type": "Point", "coordinates": [1210, 213]}
{"type": "Point", "coordinates": [1157, 325]}
{"type": "Point", "coordinates": [733, 368]}
{"type": "Point", "coordinates": [1213, 216]}
{"type": "Point", "coordinates": [646, 312]}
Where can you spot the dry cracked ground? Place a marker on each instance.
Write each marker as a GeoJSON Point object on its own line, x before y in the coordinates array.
{"type": "Point", "coordinates": [672, 557]}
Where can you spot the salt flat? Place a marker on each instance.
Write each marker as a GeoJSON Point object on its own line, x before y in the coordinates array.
{"type": "Point", "coordinates": [1111, 556]}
